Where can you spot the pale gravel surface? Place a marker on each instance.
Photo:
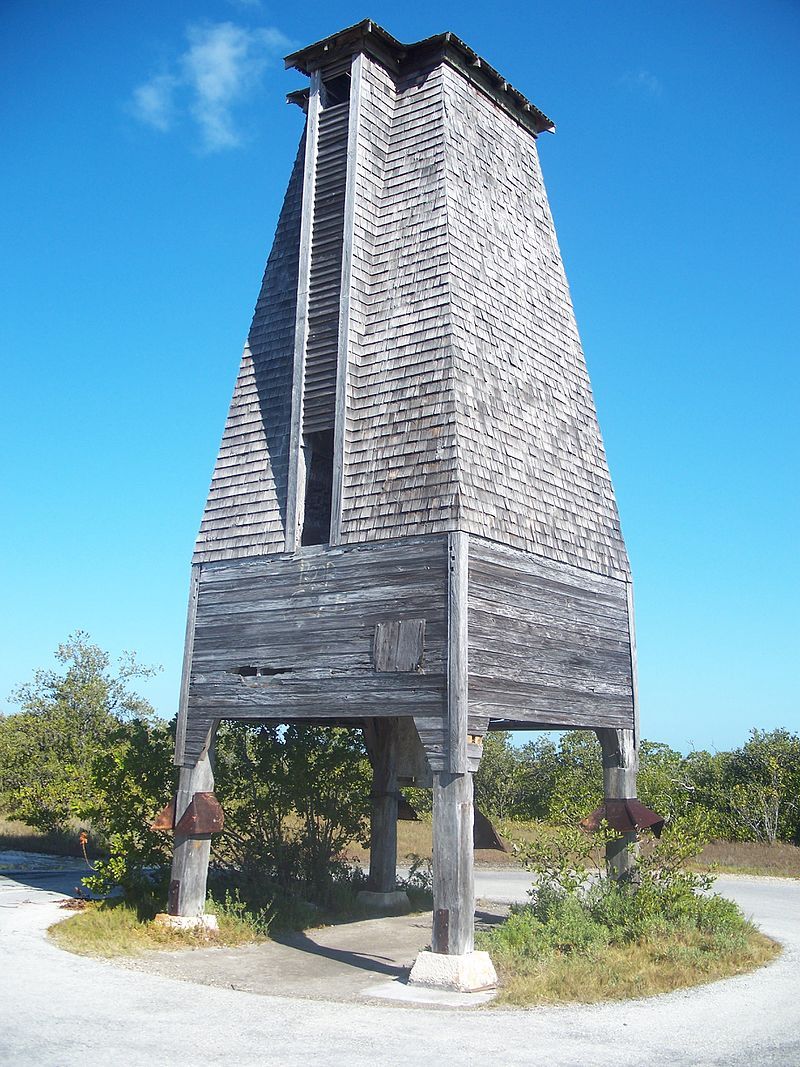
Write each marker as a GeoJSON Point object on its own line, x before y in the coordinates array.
{"type": "Point", "coordinates": [60, 1009]}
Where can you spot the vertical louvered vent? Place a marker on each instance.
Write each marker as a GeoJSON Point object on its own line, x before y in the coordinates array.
{"type": "Point", "coordinates": [319, 392]}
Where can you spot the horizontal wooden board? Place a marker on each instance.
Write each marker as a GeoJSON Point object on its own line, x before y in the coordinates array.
{"type": "Point", "coordinates": [292, 637]}
{"type": "Point", "coordinates": [549, 643]}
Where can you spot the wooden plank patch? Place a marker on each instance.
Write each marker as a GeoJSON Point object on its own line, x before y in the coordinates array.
{"type": "Point", "coordinates": [399, 645]}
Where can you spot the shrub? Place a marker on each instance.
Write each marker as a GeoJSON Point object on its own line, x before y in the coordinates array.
{"type": "Point", "coordinates": [573, 909]}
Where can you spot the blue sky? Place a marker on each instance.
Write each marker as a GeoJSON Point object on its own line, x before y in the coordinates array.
{"type": "Point", "coordinates": [147, 147]}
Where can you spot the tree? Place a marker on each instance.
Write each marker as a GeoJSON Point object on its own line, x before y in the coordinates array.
{"type": "Point", "coordinates": [577, 776]}
{"type": "Point", "coordinates": [294, 798]}
{"type": "Point", "coordinates": [503, 779]}
{"type": "Point", "coordinates": [68, 716]}
{"type": "Point", "coordinates": [762, 780]}
{"type": "Point", "coordinates": [132, 778]}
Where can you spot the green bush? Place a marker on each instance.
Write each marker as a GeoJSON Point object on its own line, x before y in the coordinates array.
{"type": "Point", "coordinates": [575, 910]}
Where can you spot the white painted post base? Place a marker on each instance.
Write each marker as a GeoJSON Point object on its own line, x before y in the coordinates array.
{"type": "Point", "coordinates": [186, 922]}
{"type": "Point", "coordinates": [471, 973]}
{"type": "Point", "coordinates": [397, 902]}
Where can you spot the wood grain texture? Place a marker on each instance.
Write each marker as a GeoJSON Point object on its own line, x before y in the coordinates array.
{"type": "Point", "coordinates": [457, 651]}
{"type": "Point", "coordinates": [453, 865]}
{"type": "Point", "coordinates": [634, 664]}
{"type": "Point", "coordinates": [183, 700]}
{"type": "Point", "coordinates": [399, 645]}
{"type": "Point", "coordinates": [245, 513]}
{"type": "Point", "coordinates": [383, 826]}
{"type": "Point", "coordinates": [548, 642]}
{"type": "Point", "coordinates": [620, 772]}
{"type": "Point", "coordinates": [291, 636]}
{"type": "Point", "coordinates": [191, 854]}
{"type": "Point", "coordinates": [325, 270]}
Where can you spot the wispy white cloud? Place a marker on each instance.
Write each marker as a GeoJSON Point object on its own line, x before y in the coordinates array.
{"type": "Point", "coordinates": [153, 102]}
{"type": "Point", "coordinates": [221, 66]}
{"type": "Point", "coordinates": [642, 81]}
{"type": "Point", "coordinates": [247, 5]}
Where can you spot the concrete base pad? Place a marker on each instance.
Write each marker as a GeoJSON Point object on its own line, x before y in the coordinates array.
{"type": "Point", "coordinates": [396, 903]}
{"type": "Point", "coordinates": [187, 922]}
{"type": "Point", "coordinates": [469, 973]}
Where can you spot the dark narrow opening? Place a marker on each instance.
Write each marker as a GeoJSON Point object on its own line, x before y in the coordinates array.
{"type": "Point", "coordinates": [318, 449]}
{"type": "Point", "coordinates": [260, 672]}
{"type": "Point", "coordinates": [337, 90]}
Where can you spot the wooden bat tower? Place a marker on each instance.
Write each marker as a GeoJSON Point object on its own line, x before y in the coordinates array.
{"type": "Point", "coordinates": [411, 525]}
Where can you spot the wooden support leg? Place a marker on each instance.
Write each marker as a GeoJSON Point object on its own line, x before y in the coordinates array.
{"type": "Point", "coordinates": [620, 767]}
{"type": "Point", "coordinates": [453, 871]}
{"type": "Point", "coordinates": [187, 888]}
{"type": "Point", "coordinates": [383, 827]}
{"type": "Point", "coordinates": [453, 963]}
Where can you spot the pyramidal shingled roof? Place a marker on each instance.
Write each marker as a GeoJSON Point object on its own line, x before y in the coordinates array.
{"type": "Point", "coordinates": [368, 36]}
{"type": "Point", "coordinates": [465, 403]}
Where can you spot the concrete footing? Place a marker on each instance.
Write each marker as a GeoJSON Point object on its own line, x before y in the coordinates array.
{"type": "Point", "coordinates": [187, 922]}
{"type": "Point", "coordinates": [396, 903]}
{"type": "Point", "coordinates": [471, 973]}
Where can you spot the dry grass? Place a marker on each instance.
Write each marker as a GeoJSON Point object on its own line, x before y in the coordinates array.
{"type": "Point", "coordinates": [23, 838]}
{"type": "Point", "coordinates": [415, 839]}
{"type": "Point", "coordinates": [733, 857]}
{"type": "Point", "coordinates": [780, 860]}
{"type": "Point", "coordinates": [111, 929]}
{"type": "Point", "coordinates": [621, 972]}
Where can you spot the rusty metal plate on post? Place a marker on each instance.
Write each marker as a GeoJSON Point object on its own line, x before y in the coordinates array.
{"type": "Point", "coordinates": [204, 815]}
{"type": "Point", "coordinates": [484, 834]}
{"type": "Point", "coordinates": [405, 812]}
{"type": "Point", "coordinates": [627, 816]}
{"type": "Point", "coordinates": [165, 820]}
{"type": "Point", "coordinates": [174, 897]}
{"type": "Point", "coordinates": [440, 942]}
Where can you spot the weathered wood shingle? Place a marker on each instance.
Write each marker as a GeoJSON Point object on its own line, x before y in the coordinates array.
{"type": "Point", "coordinates": [468, 404]}
{"type": "Point", "coordinates": [532, 467]}
{"type": "Point", "coordinates": [400, 473]}
{"type": "Point", "coordinates": [245, 512]}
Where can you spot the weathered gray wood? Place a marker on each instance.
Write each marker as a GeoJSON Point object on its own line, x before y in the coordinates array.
{"type": "Point", "coordinates": [634, 664]}
{"type": "Point", "coordinates": [345, 324]}
{"type": "Point", "coordinates": [399, 645]}
{"type": "Point", "coordinates": [245, 512]}
{"type": "Point", "coordinates": [453, 871]}
{"type": "Point", "coordinates": [548, 642]}
{"type": "Point", "coordinates": [298, 635]}
{"type": "Point", "coordinates": [383, 826]}
{"type": "Point", "coordinates": [413, 767]}
{"type": "Point", "coordinates": [296, 475]}
{"type": "Point", "coordinates": [457, 650]}
{"type": "Point", "coordinates": [183, 700]}
{"type": "Point", "coordinates": [325, 270]}
{"type": "Point", "coordinates": [620, 769]}
{"type": "Point", "coordinates": [187, 893]}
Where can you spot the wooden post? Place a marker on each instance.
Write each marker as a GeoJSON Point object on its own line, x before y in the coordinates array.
{"type": "Point", "coordinates": [187, 887]}
{"type": "Point", "coordinates": [453, 873]}
{"type": "Point", "coordinates": [383, 827]}
{"type": "Point", "coordinates": [620, 767]}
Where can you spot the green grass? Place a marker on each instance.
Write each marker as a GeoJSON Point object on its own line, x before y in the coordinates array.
{"type": "Point", "coordinates": [610, 944]}
{"type": "Point", "coordinates": [659, 964]}
{"type": "Point", "coordinates": [114, 928]}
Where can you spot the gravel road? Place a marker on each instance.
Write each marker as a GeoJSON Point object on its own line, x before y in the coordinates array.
{"type": "Point", "coordinates": [59, 1009]}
